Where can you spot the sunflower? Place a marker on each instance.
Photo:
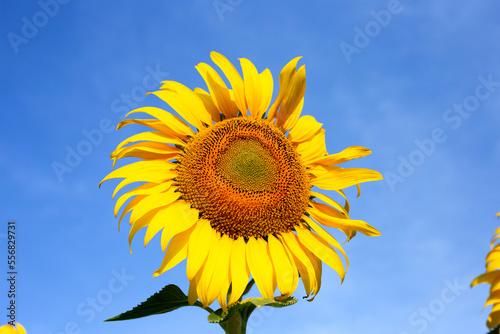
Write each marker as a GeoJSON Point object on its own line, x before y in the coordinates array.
{"type": "Point", "coordinates": [230, 186]}
{"type": "Point", "coordinates": [492, 277]}
{"type": "Point", "coordinates": [9, 329]}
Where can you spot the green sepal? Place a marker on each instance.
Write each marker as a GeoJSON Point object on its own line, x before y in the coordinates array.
{"type": "Point", "coordinates": [247, 306]}
{"type": "Point", "coordinates": [166, 300]}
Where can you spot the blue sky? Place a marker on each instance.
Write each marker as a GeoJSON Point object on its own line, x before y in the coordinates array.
{"type": "Point", "coordinates": [418, 82]}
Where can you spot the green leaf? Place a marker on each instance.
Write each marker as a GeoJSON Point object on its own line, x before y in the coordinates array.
{"type": "Point", "coordinates": [166, 300]}
{"type": "Point", "coordinates": [247, 306]}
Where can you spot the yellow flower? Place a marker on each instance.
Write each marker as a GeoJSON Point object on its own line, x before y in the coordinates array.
{"type": "Point", "coordinates": [492, 276]}
{"type": "Point", "coordinates": [234, 195]}
{"type": "Point", "coordinates": [9, 329]}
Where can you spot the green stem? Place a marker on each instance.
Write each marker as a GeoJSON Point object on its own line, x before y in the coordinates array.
{"type": "Point", "coordinates": [237, 324]}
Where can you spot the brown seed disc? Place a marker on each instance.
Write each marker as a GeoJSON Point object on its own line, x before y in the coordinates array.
{"type": "Point", "coordinates": [245, 177]}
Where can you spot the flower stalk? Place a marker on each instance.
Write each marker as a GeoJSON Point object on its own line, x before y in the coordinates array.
{"type": "Point", "coordinates": [237, 324]}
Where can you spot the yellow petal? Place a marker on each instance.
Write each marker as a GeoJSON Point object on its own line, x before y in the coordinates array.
{"type": "Point", "coordinates": [266, 80]}
{"type": "Point", "coordinates": [158, 175]}
{"type": "Point", "coordinates": [313, 148]}
{"type": "Point", "coordinates": [193, 286]}
{"type": "Point", "coordinates": [327, 237]}
{"type": "Point", "coordinates": [304, 129]}
{"type": "Point", "coordinates": [294, 116]}
{"type": "Point", "coordinates": [154, 201]}
{"type": "Point", "coordinates": [339, 178]}
{"type": "Point", "coordinates": [176, 252]}
{"type": "Point", "coordinates": [293, 262]}
{"type": "Point", "coordinates": [183, 107]}
{"type": "Point", "coordinates": [171, 121]}
{"type": "Point", "coordinates": [139, 168]}
{"type": "Point", "coordinates": [193, 104]}
{"type": "Point", "coordinates": [173, 219]}
{"type": "Point", "coordinates": [331, 202]}
{"type": "Point", "coordinates": [146, 150]}
{"type": "Point", "coordinates": [302, 261]}
{"type": "Point", "coordinates": [20, 329]}
{"type": "Point", "coordinates": [155, 125]}
{"type": "Point", "coordinates": [208, 269]}
{"type": "Point", "coordinates": [222, 297]}
{"type": "Point", "coordinates": [317, 265]}
{"type": "Point", "coordinates": [220, 278]}
{"type": "Point", "coordinates": [493, 265]}
{"type": "Point", "coordinates": [140, 223]}
{"type": "Point", "coordinates": [240, 273]}
{"type": "Point", "coordinates": [285, 76]}
{"type": "Point", "coordinates": [305, 275]}
{"type": "Point", "coordinates": [261, 267]}
{"type": "Point", "coordinates": [321, 249]}
{"type": "Point", "coordinates": [328, 216]}
{"type": "Point", "coordinates": [152, 136]}
{"type": "Point", "coordinates": [130, 205]}
{"type": "Point", "coordinates": [489, 278]}
{"type": "Point", "coordinates": [7, 329]}
{"type": "Point", "coordinates": [493, 298]}
{"type": "Point", "coordinates": [144, 189]}
{"type": "Point", "coordinates": [179, 216]}
{"type": "Point", "coordinates": [317, 170]}
{"type": "Point", "coordinates": [286, 271]}
{"type": "Point", "coordinates": [234, 78]}
{"type": "Point", "coordinates": [496, 236]}
{"type": "Point", "coordinates": [494, 317]}
{"type": "Point", "coordinates": [349, 153]}
{"type": "Point", "coordinates": [346, 204]}
{"type": "Point", "coordinates": [199, 245]}
{"type": "Point", "coordinates": [218, 90]}
{"type": "Point", "coordinates": [209, 104]}
{"type": "Point", "coordinates": [253, 87]}
{"type": "Point", "coordinates": [295, 93]}
{"type": "Point", "coordinates": [494, 254]}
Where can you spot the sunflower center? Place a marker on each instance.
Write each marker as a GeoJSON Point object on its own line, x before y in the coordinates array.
{"type": "Point", "coordinates": [245, 177]}
{"type": "Point", "coordinates": [248, 165]}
